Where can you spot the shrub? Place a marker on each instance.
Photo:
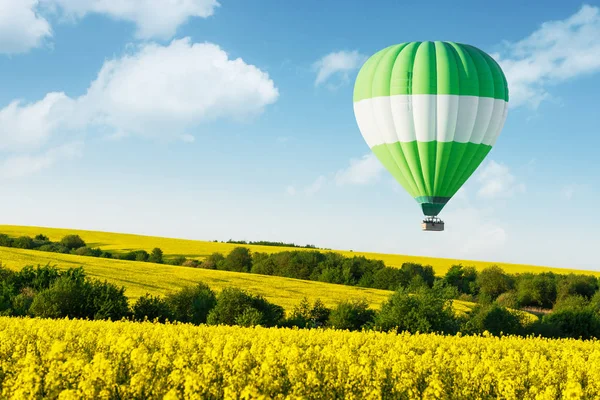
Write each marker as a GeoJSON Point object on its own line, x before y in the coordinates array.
{"type": "Point", "coordinates": [537, 290]}
{"type": "Point", "coordinates": [67, 297]}
{"type": "Point", "coordinates": [213, 261]}
{"type": "Point", "coordinates": [306, 316]}
{"type": "Point", "coordinates": [492, 282]}
{"type": "Point", "coordinates": [86, 251]}
{"type": "Point", "coordinates": [5, 240]}
{"type": "Point", "coordinates": [192, 304]}
{"type": "Point", "coordinates": [423, 312]}
{"type": "Point", "coordinates": [238, 260]}
{"type": "Point", "coordinates": [141, 255]}
{"type": "Point", "coordinates": [22, 302]}
{"type": "Point", "coordinates": [54, 248]}
{"type": "Point", "coordinates": [508, 299]}
{"type": "Point", "coordinates": [106, 301]}
{"type": "Point", "coordinates": [233, 302]}
{"type": "Point", "coordinates": [156, 256]}
{"type": "Point", "coordinates": [151, 308]}
{"type": "Point", "coordinates": [72, 242]}
{"type": "Point", "coordinates": [23, 242]}
{"type": "Point", "coordinates": [191, 263]}
{"type": "Point", "coordinates": [495, 319]}
{"type": "Point", "coordinates": [570, 323]}
{"type": "Point", "coordinates": [179, 260]}
{"type": "Point", "coordinates": [352, 315]}
{"type": "Point", "coordinates": [574, 302]}
{"type": "Point", "coordinates": [41, 238]}
{"type": "Point", "coordinates": [463, 278]}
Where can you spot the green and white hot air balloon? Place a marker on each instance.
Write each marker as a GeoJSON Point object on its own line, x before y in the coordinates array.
{"type": "Point", "coordinates": [431, 112]}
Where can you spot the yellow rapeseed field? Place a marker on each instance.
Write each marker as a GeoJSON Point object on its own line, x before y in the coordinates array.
{"type": "Point", "coordinates": [74, 359]}
{"type": "Point", "coordinates": [201, 249]}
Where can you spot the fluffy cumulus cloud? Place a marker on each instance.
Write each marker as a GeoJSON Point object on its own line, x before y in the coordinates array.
{"type": "Point", "coordinates": [162, 90]}
{"type": "Point", "coordinates": [339, 63]}
{"type": "Point", "coordinates": [361, 171]}
{"type": "Point", "coordinates": [497, 181]}
{"type": "Point", "coordinates": [21, 26]}
{"type": "Point", "coordinates": [29, 126]}
{"type": "Point", "coordinates": [556, 52]}
{"type": "Point", "coordinates": [155, 91]}
{"type": "Point", "coordinates": [153, 18]}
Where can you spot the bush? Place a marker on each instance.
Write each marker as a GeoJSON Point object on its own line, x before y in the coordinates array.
{"type": "Point", "coordinates": [5, 240]}
{"type": "Point", "coordinates": [238, 260]}
{"type": "Point", "coordinates": [423, 312]}
{"type": "Point", "coordinates": [107, 301]}
{"type": "Point", "coordinates": [72, 242]}
{"type": "Point", "coordinates": [306, 316]}
{"type": "Point", "coordinates": [192, 304]}
{"type": "Point", "coordinates": [508, 300]}
{"type": "Point", "coordinates": [86, 251]}
{"type": "Point", "coordinates": [41, 238]}
{"type": "Point", "coordinates": [23, 242]}
{"type": "Point", "coordinates": [569, 323]}
{"type": "Point", "coordinates": [54, 248]}
{"type": "Point", "coordinates": [538, 290]}
{"type": "Point", "coordinates": [232, 303]}
{"type": "Point", "coordinates": [191, 263]}
{"type": "Point", "coordinates": [495, 319]}
{"type": "Point", "coordinates": [151, 308]}
{"type": "Point", "coordinates": [574, 302]}
{"type": "Point", "coordinates": [462, 278]}
{"type": "Point", "coordinates": [213, 261]}
{"type": "Point", "coordinates": [38, 278]}
{"type": "Point", "coordinates": [352, 315]}
{"type": "Point", "coordinates": [492, 282]}
{"type": "Point", "coordinates": [67, 297]}
{"type": "Point", "coordinates": [581, 285]}
{"type": "Point", "coordinates": [22, 302]}
{"type": "Point", "coordinates": [179, 260]}
{"type": "Point", "coordinates": [156, 256]}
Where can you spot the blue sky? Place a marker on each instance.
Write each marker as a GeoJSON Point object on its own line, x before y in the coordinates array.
{"type": "Point", "coordinates": [210, 120]}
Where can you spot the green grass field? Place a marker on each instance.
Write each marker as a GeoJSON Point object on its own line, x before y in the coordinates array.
{"type": "Point", "coordinates": [120, 242]}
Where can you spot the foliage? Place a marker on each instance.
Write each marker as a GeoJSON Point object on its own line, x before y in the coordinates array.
{"type": "Point", "coordinates": [234, 304]}
{"type": "Point", "coordinates": [351, 315]}
{"type": "Point", "coordinates": [72, 242]}
{"type": "Point", "coordinates": [192, 303]}
{"type": "Point", "coordinates": [495, 319]}
{"type": "Point", "coordinates": [424, 311]}
{"type": "Point", "coordinates": [151, 308]}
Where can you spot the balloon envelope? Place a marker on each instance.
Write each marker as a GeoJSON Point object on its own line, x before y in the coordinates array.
{"type": "Point", "coordinates": [431, 112]}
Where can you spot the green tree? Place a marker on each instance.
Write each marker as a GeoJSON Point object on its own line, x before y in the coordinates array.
{"type": "Point", "coordinates": [351, 315]}
{"type": "Point", "coordinates": [232, 303]}
{"type": "Point", "coordinates": [156, 256]}
{"type": "Point", "coordinates": [192, 303]}
{"type": "Point", "coordinates": [492, 282]}
{"type": "Point", "coordinates": [424, 312]}
{"type": "Point", "coordinates": [238, 260]}
{"type": "Point", "coordinates": [151, 308]}
{"type": "Point", "coordinates": [72, 242]}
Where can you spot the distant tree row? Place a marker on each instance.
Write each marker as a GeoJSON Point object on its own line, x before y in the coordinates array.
{"type": "Point", "coordinates": [269, 243]}
{"type": "Point", "coordinates": [47, 292]}
{"type": "Point", "coordinates": [74, 244]}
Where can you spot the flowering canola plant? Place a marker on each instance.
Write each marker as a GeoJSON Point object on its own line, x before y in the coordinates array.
{"type": "Point", "coordinates": [75, 359]}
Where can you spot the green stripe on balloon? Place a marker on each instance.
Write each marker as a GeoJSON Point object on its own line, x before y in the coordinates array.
{"type": "Point", "coordinates": [431, 68]}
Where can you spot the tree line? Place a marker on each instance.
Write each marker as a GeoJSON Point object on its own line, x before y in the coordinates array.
{"type": "Point", "coordinates": [47, 292]}
{"type": "Point", "coordinates": [540, 291]}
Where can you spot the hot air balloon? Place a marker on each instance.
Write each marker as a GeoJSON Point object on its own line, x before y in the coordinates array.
{"type": "Point", "coordinates": [431, 112]}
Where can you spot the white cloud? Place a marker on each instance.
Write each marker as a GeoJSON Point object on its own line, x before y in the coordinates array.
{"type": "Point", "coordinates": [29, 126]}
{"type": "Point", "coordinates": [290, 190]}
{"type": "Point", "coordinates": [496, 181]}
{"type": "Point", "coordinates": [158, 91]}
{"type": "Point", "coordinates": [316, 186]}
{"type": "Point", "coordinates": [21, 27]}
{"type": "Point", "coordinates": [170, 89]}
{"type": "Point", "coordinates": [556, 52]}
{"type": "Point", "coordinates": [23, 165]}
{"type": "Point", "coordinates": [153, 18]}
{"type": "Point", "coordinates": [341, 63]}
{"type": "Point", "coordinates": [362, 171]}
